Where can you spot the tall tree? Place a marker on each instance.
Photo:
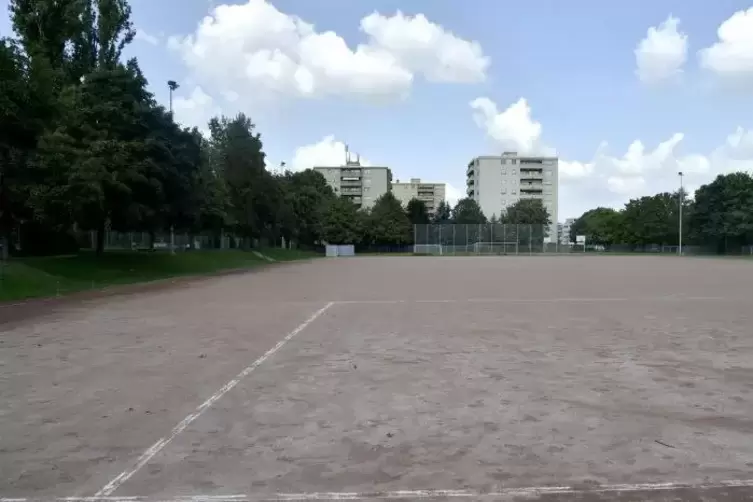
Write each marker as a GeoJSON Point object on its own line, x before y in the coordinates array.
{"type": "Point", "coordinates": [341, 222]}
{"type": "Point", "coordinates": [527, 212]}
{"type": "Point", "coordinates": [110, 180]}
{"type": "Point", "coordinates": [443, 213]}
{"type": "Point", "coordinates": [601, 226]}
{"type": "Point", "coordinates": [467, 211]}
{"type": "Point", "coordinates": [387, 223]}
{"type": "Point", "coordinates": [237, 152]}
{"type": "Point", "coordinates": [28, 104]}
{"type": "Point", "coordinates": [417, 212]}
{"type": "Point", "coordinates": [722, 215]}
{"type": "Point", "coordinates": [651, 220]}
{"type": "Point", "coordinates": [308, 195]}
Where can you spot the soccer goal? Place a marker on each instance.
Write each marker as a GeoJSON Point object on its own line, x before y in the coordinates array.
{"type": "Point", "coordinates": [435, 249]}
{"type": "Point", "coordinates": [496, 247]}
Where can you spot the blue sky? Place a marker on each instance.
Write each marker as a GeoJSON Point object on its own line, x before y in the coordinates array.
{"type": "Point", "coordinates": [623, 115]}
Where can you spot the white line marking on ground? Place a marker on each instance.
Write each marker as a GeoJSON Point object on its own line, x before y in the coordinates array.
{"type": "Point", "coordinates": [504, 493]}
{"type": "Point", "coordinates": [508, 493]}
{"type": "Point", "coordinates": [541, 300]}
{"type": "Point", "coordinates": [159, 445]}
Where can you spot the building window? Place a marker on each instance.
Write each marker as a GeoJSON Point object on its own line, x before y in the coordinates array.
{"type": "Point", "coordinates": [503, 191]}
{"type": "Point", "coordinates": [504, 171]}
{"type": "Point", "coordinates": [515, 192]}
{"type": "Point", "coordinates": [515, 171]}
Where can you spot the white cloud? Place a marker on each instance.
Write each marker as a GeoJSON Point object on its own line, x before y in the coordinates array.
{"type": "Point", "coordinates": [732, 56]}
{"type": "Point", "coordinates": [513, 128]}
{"type": "Point", "coordinates": [195, 110]}
{"type": "Point", "coordinates": [146, 37]}
{"type": "Point", "coordinates": [660, 56]}
{"type": "Point", "coordinates": [327, 152]}
{"type": "Point", "coordinates": [253, 47]}
{"type": "Point", "coordinates": [424, 47]}
{"type": "Point", "coordinates": [611, 180]}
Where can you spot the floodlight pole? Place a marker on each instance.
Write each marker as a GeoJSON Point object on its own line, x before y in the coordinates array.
{"type": "Point", "coordinates": [172, 85]}
{"type": "Point", "coordinates": [679, 223]}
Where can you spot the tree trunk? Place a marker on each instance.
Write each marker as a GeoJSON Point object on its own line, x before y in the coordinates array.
{"type": "Point", "coordinates": [100, 238]}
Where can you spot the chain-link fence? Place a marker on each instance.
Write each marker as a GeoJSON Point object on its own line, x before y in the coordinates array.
{"type": "Point", "coordinates": [139, 241]}
{"type": "Point", "coordinates": [485, 239]}
{"type": "Point", "coordinates": [517, 239]}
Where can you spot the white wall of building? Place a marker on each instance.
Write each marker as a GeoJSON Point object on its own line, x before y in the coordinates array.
{"type": "Point", "coordinates": [495, 182]}
{"type": "Point", "coordinates": [432, 194]}
{"type": "Point", "coordinates": [362, 184]}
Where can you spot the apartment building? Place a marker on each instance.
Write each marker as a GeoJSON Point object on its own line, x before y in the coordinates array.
{"type": "Point", "coordinates": [363, 185]}
{"type": "Point", "coordinates": [565, 233]}
{"type": "Point", "coordinates": [432, 194]}
{"type": "Point", "coordinates": [496, 182]}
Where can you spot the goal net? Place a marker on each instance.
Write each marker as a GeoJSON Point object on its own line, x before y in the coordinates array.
{"type": "Point", "coordinates": [427, 249]}
{"type": "Point", "coordinates": [495, 247]}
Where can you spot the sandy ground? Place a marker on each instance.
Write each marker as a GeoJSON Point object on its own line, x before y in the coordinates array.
{"type": "Point", "coordinates": [596, 378]}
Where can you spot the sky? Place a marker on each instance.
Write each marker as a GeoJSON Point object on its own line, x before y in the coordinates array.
{"type": "Point", "coordinates": [627, 94]}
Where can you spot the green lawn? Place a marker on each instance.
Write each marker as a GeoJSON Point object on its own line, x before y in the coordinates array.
{"type": "Point", "coordinates": [58, 275]}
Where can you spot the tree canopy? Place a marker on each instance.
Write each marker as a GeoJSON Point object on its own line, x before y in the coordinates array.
{"type": "Point", "coordinates": [719, 218]}
{"type": "Point", "coordinates": [467, 211]}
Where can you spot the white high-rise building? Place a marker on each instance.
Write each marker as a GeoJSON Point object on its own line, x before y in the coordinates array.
{"type": "Point", "coordinates": [432, 194]}
{"type": "Point", "coordinates": [496, 182]}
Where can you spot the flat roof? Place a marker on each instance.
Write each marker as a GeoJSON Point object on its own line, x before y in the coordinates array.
{"type": "Point", "coordinates": [352, 166]}
{"type": "Point", "coordinates": [510, 156]}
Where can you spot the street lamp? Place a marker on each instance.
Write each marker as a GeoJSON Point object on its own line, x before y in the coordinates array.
{"type": "Point", "coordinates": [679, 223]}
{"type": "Point", "coordinates": [172, 85]}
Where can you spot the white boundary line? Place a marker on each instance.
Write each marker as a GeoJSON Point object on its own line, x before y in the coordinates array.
{"type": "Point", "coordinates": [543, 300]}
{"type": "Point", "coordinates": [504, 493]}
{"type": "Point", "coordinates": [159, 445]}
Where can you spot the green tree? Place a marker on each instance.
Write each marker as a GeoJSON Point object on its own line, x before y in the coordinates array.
{"type": "Point", "coordinates": [722, 214]}
{"type": "Point", "coordinates": [467, 211]}
{"type": "Point", "coordinates": [651, 220]}
{"type": "Point", "coordinates": [417, 212]}
{"type": "Point", "coordinates": [106, 134]}
{"type": "Point", "coordinates": [308, 196]}
{"type": "Point", "coordinates": [527, 212]}
{"type": "Point", "coordinates": [443, 213]}
{"type": "Point", "coordinates": [341, 222]}
{"type": "Point", "coordinates": [387, 224]}
{"type": "Point", "coordinates": [601, 226]}
{"type": "Point", "coordinates": [237, 153]}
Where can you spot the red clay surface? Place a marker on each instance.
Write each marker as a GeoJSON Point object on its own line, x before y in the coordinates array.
{"type": "Point", "coordinates": [490, 375]}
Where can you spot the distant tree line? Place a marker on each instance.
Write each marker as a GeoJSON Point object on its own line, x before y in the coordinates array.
{"type": "Point", "coordinates": [84, 146]}
{"type": "Point", "coordinates": [719, 218]}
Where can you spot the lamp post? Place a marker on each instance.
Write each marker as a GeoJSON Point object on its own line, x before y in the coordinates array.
{"type": "Point", "coordinates": [681, 198]}
{"type": "Point", "coordinates": [172, 85]}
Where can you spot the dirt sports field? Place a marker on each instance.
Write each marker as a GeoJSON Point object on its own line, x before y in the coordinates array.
{"type": "Point", "coordinates": [390, 378]}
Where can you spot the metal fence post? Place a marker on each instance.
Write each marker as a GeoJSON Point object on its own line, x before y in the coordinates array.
{"type": "Point", "coordinates": [530, 239]}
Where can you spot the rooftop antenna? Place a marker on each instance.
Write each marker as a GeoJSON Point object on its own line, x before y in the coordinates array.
{"type": "Point", "coordinates": [347, 154]}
